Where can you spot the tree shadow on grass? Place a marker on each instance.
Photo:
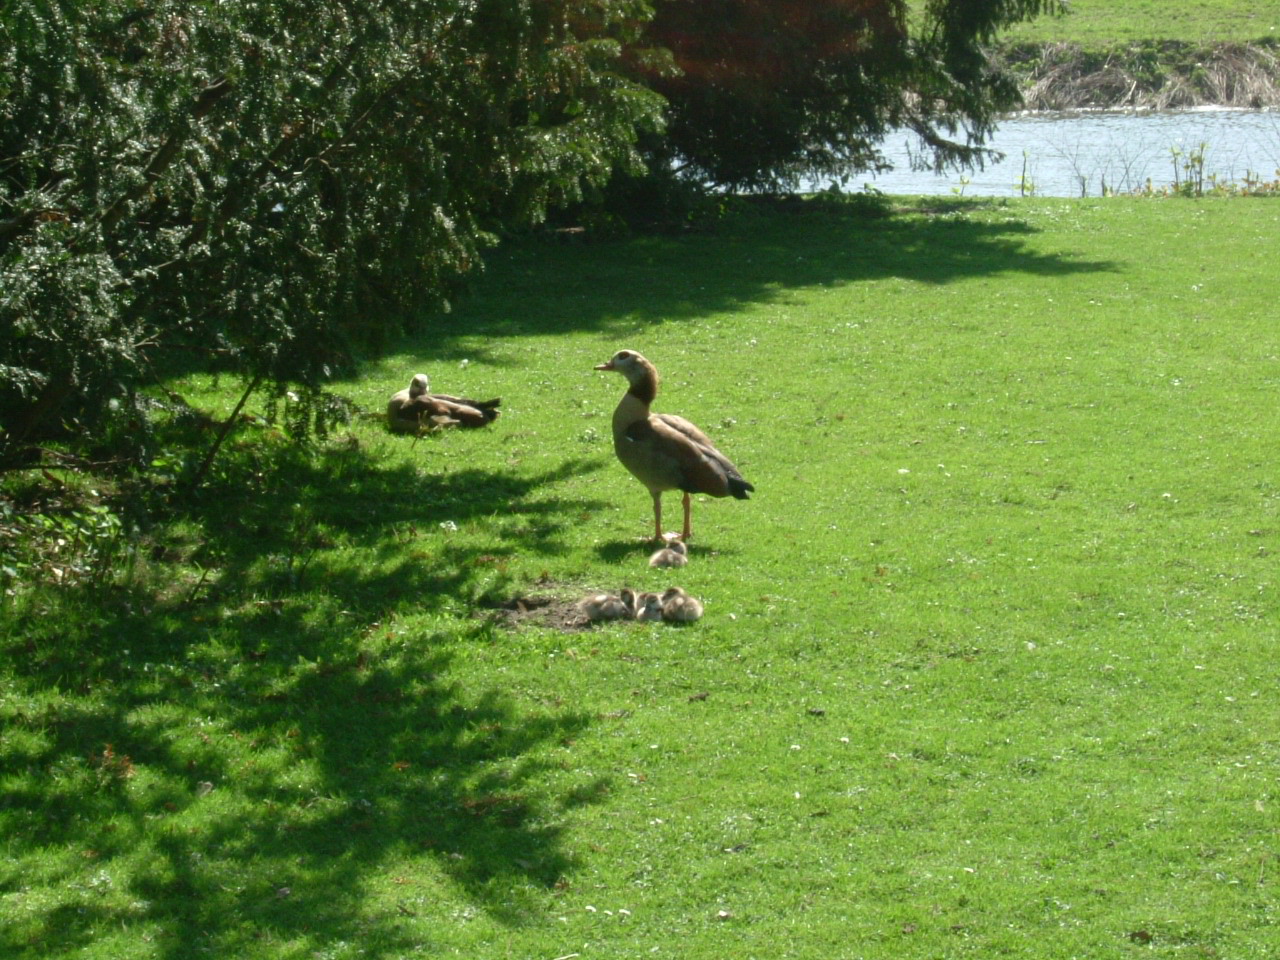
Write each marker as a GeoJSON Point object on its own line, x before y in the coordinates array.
{"type": "Point", "coordinates": [616, 551]}
{"type": "Point", "coordinates": [760, 254]}
{"type": "Point", "coordinates": [226, 774]}
{"type": "Point", "coordinates": [268, 801]}
{"type": "Point", "coordinates": [273, 534]}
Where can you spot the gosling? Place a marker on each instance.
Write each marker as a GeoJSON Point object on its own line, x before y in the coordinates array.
{"type": "Point", "coordinates": [678, 607]}
{"type": "Point", "coordinates": [647, 606]}
{"type": "Point", "coordinates": [674, 554]}
{"type": "Point", "coordinates": [605, 606]}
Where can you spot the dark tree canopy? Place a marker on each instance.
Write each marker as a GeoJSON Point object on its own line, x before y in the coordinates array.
{"type": "Point", "coordinates": [261, 186]}
{"type": "Point", "coordinates": [769, 91]}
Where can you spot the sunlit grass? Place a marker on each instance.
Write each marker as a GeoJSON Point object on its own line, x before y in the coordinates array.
{"type": "Point", "coordinates": [1100, 23]}
{"type": "Point", "coordinates": [987, 665]}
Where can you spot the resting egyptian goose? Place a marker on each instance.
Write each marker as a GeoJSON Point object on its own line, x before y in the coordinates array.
{"type": "Point", "coordinates": [679, 607]}
{"type": "Point", "coordinates": [417, 407]}
{"type": "Point", "coordinates": [663, 451]}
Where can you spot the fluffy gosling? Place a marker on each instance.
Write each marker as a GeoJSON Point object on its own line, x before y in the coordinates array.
{"type": "Point", "coordinates": [674, 554]}
{"type": "Point", "coordinates": [679, 607]}
{"type": "Point", "coordinates": [605, 606]}
{"type": "Point", "coordinates": [647, 606]}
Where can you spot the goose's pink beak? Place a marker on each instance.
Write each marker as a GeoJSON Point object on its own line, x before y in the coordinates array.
{"type": "Point", "coordinates": [607, 365]}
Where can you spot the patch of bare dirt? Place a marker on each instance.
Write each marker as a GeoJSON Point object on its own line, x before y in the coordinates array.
{"type": "Point", "coordinates": [542, 611]}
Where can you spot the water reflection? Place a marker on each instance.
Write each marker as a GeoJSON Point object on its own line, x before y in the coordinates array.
{"type": "Point", "coordinates": [1085, 154]}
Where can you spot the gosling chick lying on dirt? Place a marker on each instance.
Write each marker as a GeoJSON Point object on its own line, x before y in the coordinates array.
{"type": "Point", "coordinates": [605, 606]}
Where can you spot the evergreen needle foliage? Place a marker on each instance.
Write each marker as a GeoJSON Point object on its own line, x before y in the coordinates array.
{"type": "Point", "coordinates": [264, 188]}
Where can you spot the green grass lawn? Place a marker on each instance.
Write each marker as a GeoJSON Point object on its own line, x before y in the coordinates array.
{"type": "Point", "coordinates": [1099, 23]}
{"type": "Point", "coordinates": [988, 663]}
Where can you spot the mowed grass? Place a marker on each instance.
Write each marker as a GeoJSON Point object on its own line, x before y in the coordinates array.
{"type": "Point", "coordinates": [1099, 23]}
{"type": "Point", "coordinates": [988, 666]}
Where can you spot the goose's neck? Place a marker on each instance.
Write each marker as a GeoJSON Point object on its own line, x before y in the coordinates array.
{"type": "Point", "coordinates": [634, 404]}
{"type": "Point", "coordinates": [630, 409]}
{"type": "Point", "coordinates": [645, 388]}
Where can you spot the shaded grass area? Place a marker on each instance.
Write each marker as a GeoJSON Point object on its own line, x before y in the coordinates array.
{"type": "Point", "coordinates": [221, 761]}
{"type": "Point", "coordinates": [986, 669]}
{"type": "Point", "coordinates": [624, 288]}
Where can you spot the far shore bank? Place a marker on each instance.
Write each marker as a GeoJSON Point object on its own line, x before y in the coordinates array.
{"type": "Point", "coordinates": [1157, 75]}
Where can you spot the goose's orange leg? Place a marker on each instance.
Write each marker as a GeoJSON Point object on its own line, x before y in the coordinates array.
{"type": "Point", "coordinates": [657, 515]}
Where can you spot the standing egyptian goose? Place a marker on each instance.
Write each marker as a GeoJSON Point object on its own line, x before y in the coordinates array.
{"type": "Point", "coordinates": [416, 406]}
{"type": "Point", "coordinates": [663, 451]}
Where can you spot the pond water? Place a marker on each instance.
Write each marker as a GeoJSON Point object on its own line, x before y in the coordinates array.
{"type": "Point", "coordinates": [1080, 154]}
